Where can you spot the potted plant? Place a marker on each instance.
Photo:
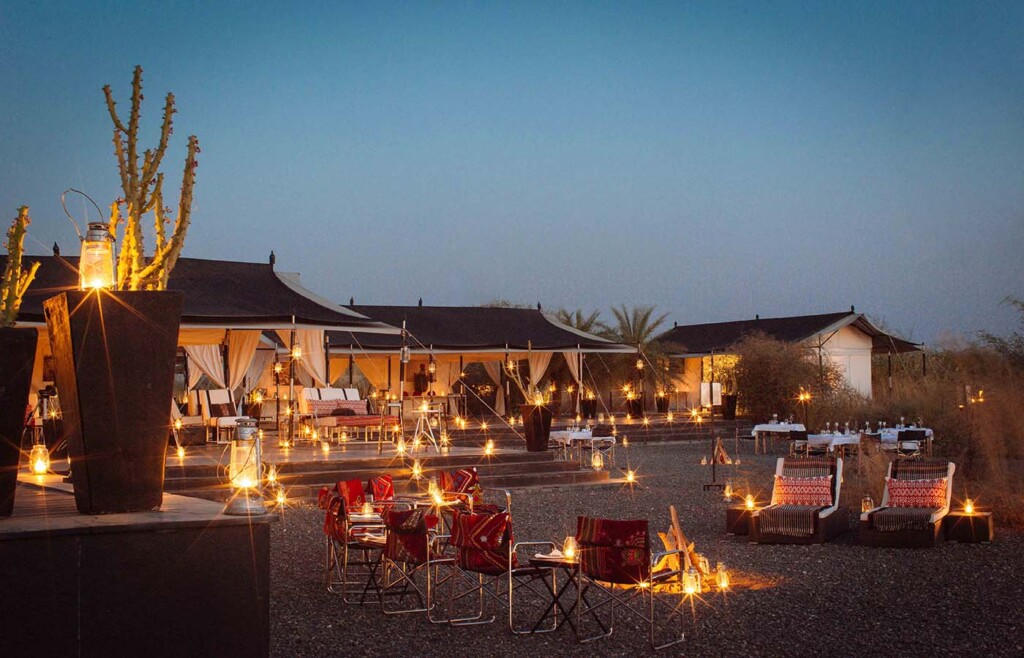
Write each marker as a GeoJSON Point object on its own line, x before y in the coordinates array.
{"type": "Point", "coordinates": [17, 355]}
{"type": "Point", "coordinates": [115, 340]}
{"type": "Point", "coordinates": [537, 423]}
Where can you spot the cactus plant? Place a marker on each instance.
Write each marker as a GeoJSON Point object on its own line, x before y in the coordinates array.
{"type": "Point", "coordinates": [142, 184]}
{"type": "Point", "coordinates": [16, 280]}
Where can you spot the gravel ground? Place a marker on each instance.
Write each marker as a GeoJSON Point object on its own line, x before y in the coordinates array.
{"type": "Point", "coordinates": [839, 598]}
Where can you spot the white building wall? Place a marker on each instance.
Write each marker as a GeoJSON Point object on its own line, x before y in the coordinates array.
{"type": "Point", "coordinates": [850, 350]}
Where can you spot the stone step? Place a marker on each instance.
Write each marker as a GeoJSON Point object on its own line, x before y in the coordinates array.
{"type": "Point", "coordinates": [329, 473]}
{"type": "Point", "coordinates": [506, 481]}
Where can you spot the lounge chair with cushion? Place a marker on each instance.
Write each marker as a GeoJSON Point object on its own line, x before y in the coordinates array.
{"type": "Point", "coordinates": [805, 503]}
{"type": "Point", "coordinates": [917, 497]}
{"type": "Point", "coordinates": [219, 412]}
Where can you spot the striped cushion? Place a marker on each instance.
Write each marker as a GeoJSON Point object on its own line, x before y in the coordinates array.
{"type": "Point", "coordinates": [916, 493]}
{"type": "Point", "coordinates": [815, 491]}
{"type": "Point", "coordinates": [894, 519]}
{"type": "Point", "coordinates": [788, 520]}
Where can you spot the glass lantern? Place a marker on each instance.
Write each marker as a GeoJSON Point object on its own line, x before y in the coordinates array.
{"type": "Point", "coordinates": [39, 459]}
{"type": "Point", "coordinates": [569, 548]}
{"type": "Point", "coordinates": [245, 470]}
{"type": "Point", "coordinates": [722, 576]}
{"type": "Point", "coordinates": [96, 264]}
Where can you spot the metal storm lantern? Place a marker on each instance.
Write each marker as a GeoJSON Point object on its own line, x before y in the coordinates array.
{"type": "Point", "coordinates": [244, 471]}
{"type": "Point", "coordinates": [867, 504]}
{"type": "Point", "coordinates": [597, 461]}
{"type": "Point", "coordinates": [39, 459]}
{"type": "Point", "coordinates": [96, 264]}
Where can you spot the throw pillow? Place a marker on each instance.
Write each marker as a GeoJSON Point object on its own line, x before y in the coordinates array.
{"type": "Point", "coordinates": [917, 493]}
{"type": "Point", "coordinates": [222, 410]}
{"type": "Point", "coordinates": [803, 491]}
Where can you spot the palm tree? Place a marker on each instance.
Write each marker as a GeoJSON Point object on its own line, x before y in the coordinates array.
{"type": "Point", "coordinates": [589, 323]}
{"type": "Point", "coordinates": [635, 326]}
{"type": "Point", "coordinates": [638, 326]}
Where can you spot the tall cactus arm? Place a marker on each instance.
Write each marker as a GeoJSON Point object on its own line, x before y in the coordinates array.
{"type": "Point", "coordinates": [156, 274]}
{"type": "Point", "coordinates": [134, 195]}
{"type": "Point", "coordinates": [15, 281]}
{"type": "Point", "coordinates": [152, 165]}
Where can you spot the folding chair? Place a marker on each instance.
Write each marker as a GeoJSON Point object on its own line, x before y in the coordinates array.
{"type": "Point", "coordinates": [909, 442]}
{"type": "Point", "coordinates": [486, 564]}
{"type": "Point", "coordinates": [343, 574]}
{"type": "Point", "coordinates": [617, 564]}
{"type": "Point", "coordinates": [411, 560]}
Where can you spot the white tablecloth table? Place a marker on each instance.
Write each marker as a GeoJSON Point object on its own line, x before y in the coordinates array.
{"type": "Point", "coordinates": [762, 431]}
{"type": "Point", "coordinates": [832, 441]}
{"type": "Point", "coordinates": [581, 438]}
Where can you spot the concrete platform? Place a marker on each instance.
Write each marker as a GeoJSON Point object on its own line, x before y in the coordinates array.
{"type": "Point", "coordinates": [186, 580]}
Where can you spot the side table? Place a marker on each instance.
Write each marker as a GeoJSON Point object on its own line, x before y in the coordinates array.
{"type": "Point", "coordinates": [969, 528]}
{"type": "Point", "coordinates": [737, 520]}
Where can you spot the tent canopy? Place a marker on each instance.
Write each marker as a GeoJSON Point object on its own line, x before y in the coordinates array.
{"type": "Point", "coordinates": [469, 329]}
{"type": "Point", "coordinates": [695, 340]}
{"type": "Point", "coordinates": [218, 294]}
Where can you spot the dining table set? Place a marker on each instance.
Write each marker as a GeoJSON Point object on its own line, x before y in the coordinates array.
{"type": "Point", "coordinates": [575, 440]}
{"type": "Point", "coordinates": [843, 441]}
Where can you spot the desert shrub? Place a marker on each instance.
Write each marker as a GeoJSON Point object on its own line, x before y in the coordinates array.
{"type": "Point", "coordinates": [770, 374]}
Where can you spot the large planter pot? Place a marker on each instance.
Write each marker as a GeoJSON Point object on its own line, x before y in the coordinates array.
{"type": "Point", "coordinates": [536, 426]}
{"type": "Point", "coordinates": [114, 356]}
{"type": "Point", "coordinates": [17, 354]}
{"type": "Point", "coordinates": [662, 404]}
{"type": "Point", "coordinates": [588, 408]}
{"type": "Point", "coordinates": [635, 407]}
{"type": "Point", "coordinates": [729, 407]}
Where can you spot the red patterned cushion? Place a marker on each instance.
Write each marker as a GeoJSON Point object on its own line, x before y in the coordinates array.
{"type": "Point", "coordinates": [321, 408]}
{"type": "Point", "coordinates": [916, 493]}
{"type": "Point", "coordinates": [614, 551]}
{"type": "Point", "coordinates": [803, 491]}
{"type": "Point", "coordinates": [352, 492]}
{"type": "Point", "coordinates": [482, 542]}
{"type": "Point", "coordinates": [336, 520]}
{"type": "Point", "coordinates": [407, 535]}
{"type": "Point", "coordinates": [357, 406]}
{"type": "Point", "coordinates": [382, 487]}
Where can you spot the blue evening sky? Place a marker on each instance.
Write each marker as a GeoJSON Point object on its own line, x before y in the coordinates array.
{"type": "Point", "coordinates": [717, 160]}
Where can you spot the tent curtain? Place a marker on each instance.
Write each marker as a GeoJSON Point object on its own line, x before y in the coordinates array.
{"type": "Point", "coordinates": [241, 350]}
{"type": "Point", "coordinates": [259, 365]}
{"type": "Point", "coordinates": [538, 366]}
{"type": "Point", "coordinates": [493, 370]}
{"type": "Point", "coordinates": [573, 360]}
{"type": "Point", "coordinates": [313, 364]}
{"type": "Point", "coordinates": [205, 360]}
{"type": "Point", "coordinates": [446, 376]}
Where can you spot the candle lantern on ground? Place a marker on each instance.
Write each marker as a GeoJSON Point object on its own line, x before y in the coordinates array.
{"type": "Point", "coordinates": [39, 459]}
{"type": "Point", "coordinates": [244, 471]}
